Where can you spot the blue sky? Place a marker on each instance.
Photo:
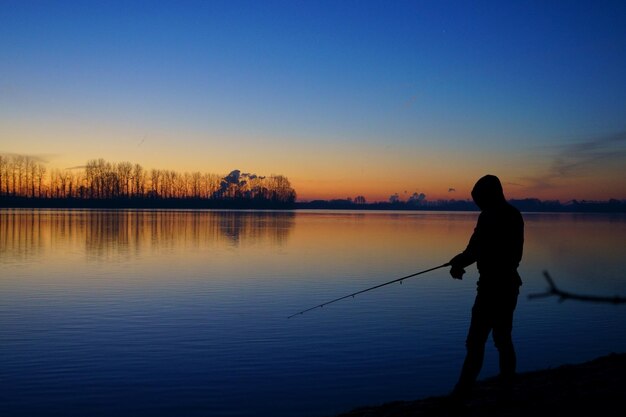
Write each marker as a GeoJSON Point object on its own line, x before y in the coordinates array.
{"type": "Point", "coordinates": [340, 96]}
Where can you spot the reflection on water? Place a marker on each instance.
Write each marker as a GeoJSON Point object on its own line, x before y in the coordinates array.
{"type": "Point", "coordinates": [168, 313]}
{"type": "Point", "coordinates": [25, 234]}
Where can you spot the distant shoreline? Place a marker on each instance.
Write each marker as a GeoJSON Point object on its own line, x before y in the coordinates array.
{"type": "Point", "coordinates": [525, 205]}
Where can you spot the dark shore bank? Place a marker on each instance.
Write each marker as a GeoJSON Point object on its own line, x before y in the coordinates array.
{"type": "Point", "coordinates": [595, 388]}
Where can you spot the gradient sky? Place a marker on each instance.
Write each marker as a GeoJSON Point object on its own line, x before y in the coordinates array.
{"type": "Point", "coordinates": [342, 97]}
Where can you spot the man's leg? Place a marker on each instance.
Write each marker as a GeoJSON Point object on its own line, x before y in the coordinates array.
{"type": "Point", "coordinates": [475, 345]}
{"type": "Point", "coordinates": [502, 328]}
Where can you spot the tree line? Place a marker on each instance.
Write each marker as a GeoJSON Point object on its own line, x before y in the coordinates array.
{"type": "Point", "coordinates": [25, 177]}
{"type": "Point", "coordinates": [525, 205]}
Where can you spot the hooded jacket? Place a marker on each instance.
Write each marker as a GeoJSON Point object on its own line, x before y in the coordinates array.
{"type": "Point", "coordinates": [498, 239]}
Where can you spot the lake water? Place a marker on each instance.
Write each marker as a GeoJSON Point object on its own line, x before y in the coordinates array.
{"type": "Point", "coordinates": [184, 313]}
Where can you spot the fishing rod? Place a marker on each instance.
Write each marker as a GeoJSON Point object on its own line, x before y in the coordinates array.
{"type": "Point", "coordinates": [369, 289]}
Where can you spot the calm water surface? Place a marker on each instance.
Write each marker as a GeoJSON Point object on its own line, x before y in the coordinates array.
{"type": "Point", "coordinates": [171, 313]}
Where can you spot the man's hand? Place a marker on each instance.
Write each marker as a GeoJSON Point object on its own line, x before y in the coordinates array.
{"type": "Point", "coordinates": [457, 272]}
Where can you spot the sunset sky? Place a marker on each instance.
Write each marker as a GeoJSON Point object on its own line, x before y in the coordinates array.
{"type": "Point", "coordinates": [344, 98]}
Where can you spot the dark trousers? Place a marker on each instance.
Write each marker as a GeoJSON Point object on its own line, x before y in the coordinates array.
{"type": "Point", "coordinates": [492, 312]}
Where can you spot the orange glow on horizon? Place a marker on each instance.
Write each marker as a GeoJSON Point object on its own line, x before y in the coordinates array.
{"type": "Point", "coordinates": [562, 190]}
{"type": "Point", "coordinates": [323, 169]}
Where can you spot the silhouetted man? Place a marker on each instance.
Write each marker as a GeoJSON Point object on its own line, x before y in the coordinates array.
{"type": "Point", "coordinates": [496, 247]}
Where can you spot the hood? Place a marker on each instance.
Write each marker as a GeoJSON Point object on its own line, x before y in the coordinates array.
{"type": "Point", "coordinates": [488, 192]}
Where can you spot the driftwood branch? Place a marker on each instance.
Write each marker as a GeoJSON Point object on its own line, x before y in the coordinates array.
{"type": "Point", "coordinates": [553, 291]}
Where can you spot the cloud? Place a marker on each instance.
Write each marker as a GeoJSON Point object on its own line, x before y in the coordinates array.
{"type": "Point", "coordinates": [41, 158]}
{"type": "Point", "coordinates": [576, 157]}
{"type": "Point", "coordinates": [451, 190]}
{"type": "Point", "coordinates": [579, 159]}
{"type": "Point", "coordinates": [77, 167]}
{"type": "Point", "coordinates": [232, 178]}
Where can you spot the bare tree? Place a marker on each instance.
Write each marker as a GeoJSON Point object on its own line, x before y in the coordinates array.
{"type": "Point", "coordinates": [124, 173]}
{"type": "Point", "coordinates": [19, 167]}
{"type": "Point", "coordinates": [139, 178]}
{"type": "Point", "coordinates": [211, 183]}
{"type": "Point", "coordinates": [41, 172]}
{"type": "Point", "coordinates": [281, 189]}
{"type": "Point", "coordinates": [8, 171]}
{"type": "Point", "coordinates": [3, 164]}
{"type": "Point", "coordinates": [155, 180]}
{"type": "Point", "coordinates": [32, 176]}
{"type": "Point", "coordinates": [55, 183]}
{"type": "Point", "coordinates": [196, 178]}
